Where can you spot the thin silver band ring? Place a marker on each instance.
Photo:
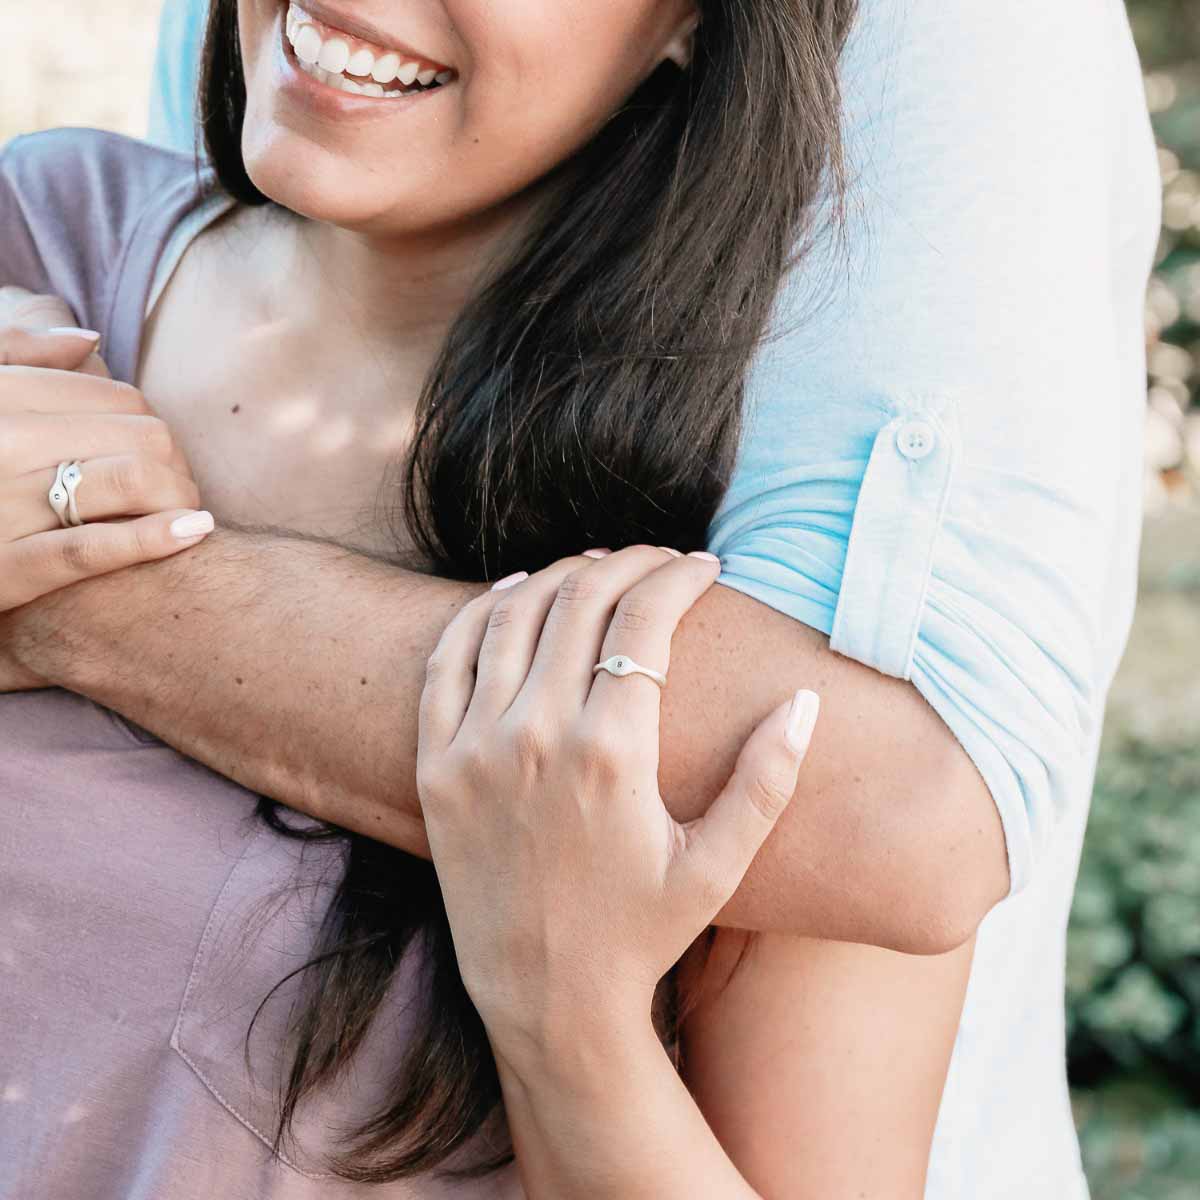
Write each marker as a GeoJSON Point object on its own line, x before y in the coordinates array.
{"type": "Point", "coordinates": [71, 479]}
{"type": "Point", "coordinates": [622, 664]}
{"type": "Point", "coordinates": [57, 495]}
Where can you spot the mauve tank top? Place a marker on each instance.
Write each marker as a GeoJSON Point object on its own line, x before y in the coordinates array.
{"type": "Point", "coordinates": [144, 910]}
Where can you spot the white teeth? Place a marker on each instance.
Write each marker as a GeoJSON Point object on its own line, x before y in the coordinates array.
{"type": "Point", "coordinates": [385, 68]}
{"type": "Point", "coordinates": [334, 56]}
{"type": "Point", "coordinates": [326, 60]}
{"type": "Point", "coordinates": [361, 63]}
{"type": "Point", "coordinates": [308, 44]}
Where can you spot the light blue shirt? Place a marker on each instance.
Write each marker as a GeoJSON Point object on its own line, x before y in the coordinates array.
{"type": "Point", "coordinates": [942, 468]}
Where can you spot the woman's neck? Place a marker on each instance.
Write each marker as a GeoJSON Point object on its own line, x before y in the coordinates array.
{"type": "Point", "coordinates": [373, 302]}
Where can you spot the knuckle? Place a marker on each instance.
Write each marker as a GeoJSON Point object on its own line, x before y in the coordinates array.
{"type": "Point", "coordinates": [432, 778]}
{"type": "Point", "coordinates": [129, 398]}
{"type": "Point", "coordinates": [154, 437]}
{"type": "Point", "coordinates": [80, 555]}
{"type": "Point", "coordinates": [143, 542]}
{"type": "Point", "coordinates": [634, 614]}
{"type": "Point", "coordinates": [189, 493]}
{"type": "Point", "coordinates": [130, 479]}
{"type": "Point", "coordinates": [574, 591]}
{"type": "Point", "coordinates": [501, 616]}
{"type": "Point", "coordinates": [769, 793]}
{"type": "Point", "coordinates": [531, 743]}
{"type": "Point", "coordinates": [713, 887]}
{"type": "Point", "coordinates": [597, 749]}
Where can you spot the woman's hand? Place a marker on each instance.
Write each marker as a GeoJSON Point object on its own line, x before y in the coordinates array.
{"type": "Point", "coordinates": [135, 481]}
{"type": "Point", "coordinates": [569, 887]}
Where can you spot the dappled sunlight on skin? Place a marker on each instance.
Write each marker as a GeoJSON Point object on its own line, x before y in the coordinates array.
{"type": "Point", "coordinates": [14, 1093]}
{"type": "Point", "coordinates": [294, 416]}
{"type": "Point", "coordinates": [331, 432]}
{"type": "Point", "coordinates": [74, 1112]}
{"type": "Point", "coordinates": [333, 435]}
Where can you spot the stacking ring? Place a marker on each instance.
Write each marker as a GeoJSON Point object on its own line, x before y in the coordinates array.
{"type": "Point", "coordinates": [62, 493]}
{"type": "Point", "coordinates": [58, 497]}
{"type": "Point", "coordinates": [622, 664]}
{"type": "Point", "coordinates": [71, 478]}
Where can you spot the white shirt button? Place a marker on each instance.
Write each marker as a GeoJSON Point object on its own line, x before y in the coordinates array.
{"type": "Point", "coordinates": [916, 438]}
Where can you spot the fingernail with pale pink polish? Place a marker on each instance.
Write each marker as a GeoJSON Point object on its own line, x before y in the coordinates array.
{"type": "Point", "coordinates": [75, 331]}
{"type": "Point", "coordinates": [802, 716]}
{"type": "Point", "coordinates": [676, 553]}
{"type": "Point", "coordinates": [597, 553]}
{"type": "Point", "coordinates": [192, 525]}
{"type": "Point", "coordinates": [509, 581]}
{"type": "Point", "coordinates": [703, 554]}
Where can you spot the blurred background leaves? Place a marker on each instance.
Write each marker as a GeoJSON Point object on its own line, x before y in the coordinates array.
{"type": "Point", "coordinates": [1133, 966]}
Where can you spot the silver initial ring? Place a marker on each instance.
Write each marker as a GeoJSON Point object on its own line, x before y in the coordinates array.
{"type": "Point", "coordinates": [59, 500]}
{"type": "Point", "coordinates": [71, 478]}
{"type": "Point", "coordinates": [622, 664]}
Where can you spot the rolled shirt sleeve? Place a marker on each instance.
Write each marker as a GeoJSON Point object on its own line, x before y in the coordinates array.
{"type": "Point", "coordinates": [941, 468]}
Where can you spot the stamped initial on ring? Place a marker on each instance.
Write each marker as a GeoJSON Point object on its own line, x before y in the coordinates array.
{"type": "Point", "coordinates": [622, 664]}
{"type": "Point", "coordinates": [71, 479]}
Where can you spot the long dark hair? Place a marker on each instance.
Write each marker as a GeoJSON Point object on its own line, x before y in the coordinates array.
{"type": "Point", "coordinates": [591, 393]}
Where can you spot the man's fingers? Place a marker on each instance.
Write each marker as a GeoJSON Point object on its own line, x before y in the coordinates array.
{"type": "Point", "coordinates": [63, 349]}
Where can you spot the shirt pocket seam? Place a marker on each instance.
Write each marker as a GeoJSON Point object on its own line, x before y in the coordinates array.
{"type": "Point", "coordinates": [201, 961]}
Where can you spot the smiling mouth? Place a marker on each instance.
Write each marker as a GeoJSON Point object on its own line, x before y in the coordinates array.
{"type": "Point", "coordinates": [352, 64]}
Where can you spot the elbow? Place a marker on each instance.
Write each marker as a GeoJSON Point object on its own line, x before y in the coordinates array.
{"type": "Point", "coordinates": [956, 872]}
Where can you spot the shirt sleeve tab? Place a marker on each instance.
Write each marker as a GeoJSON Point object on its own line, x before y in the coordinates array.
{"type": "Point", "coordinates": [897, 518]}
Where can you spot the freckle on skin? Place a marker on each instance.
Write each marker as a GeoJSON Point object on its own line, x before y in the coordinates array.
{"type": "Point", "coordinates": [236, 408]}
{"type": "Point", "coordinates": [363, 681]}
{"type": "Point", "coordinates": [239, 680]}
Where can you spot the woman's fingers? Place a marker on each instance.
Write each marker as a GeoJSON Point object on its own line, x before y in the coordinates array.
{"type": "Point", "coordinates": [116, 486]}
{"type": "Point", "coordinates": [28, 390]}
{"type": "Point", "coordinates": [45, 562]}
{"type": "Point", "coordinates": [63, 349]}
{"type": "Point", "coordinates": [33, 441]}
{"type": "Point", "coordinates": [573, 632]}
{"type": "Point", "coordinates": [721, 844]}
{"type": "Point", "coordinates": [450, 676]}
{"type": "Point", "coordinates": [641, 630]}
{"type": "Point", "coordinates": [511, 638]}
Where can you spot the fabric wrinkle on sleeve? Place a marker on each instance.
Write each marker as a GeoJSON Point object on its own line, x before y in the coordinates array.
{"type": "Point", "coordinates": [940, 469]}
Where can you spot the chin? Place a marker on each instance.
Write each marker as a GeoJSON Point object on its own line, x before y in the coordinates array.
{"type": "Point", "coordinates": [314, 182]}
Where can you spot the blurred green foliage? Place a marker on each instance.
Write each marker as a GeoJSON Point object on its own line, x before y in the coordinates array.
{"type": "Point", "coordinates": [1133, 964]}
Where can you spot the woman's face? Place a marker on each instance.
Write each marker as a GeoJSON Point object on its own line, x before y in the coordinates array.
{"type": "Point", "coordinates": [524, 84]}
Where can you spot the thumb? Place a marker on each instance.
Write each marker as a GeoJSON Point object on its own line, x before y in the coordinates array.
{"type": "Point", "coordinates": [64, 348]}
{"type": "Point", "coordinates": [722, 843]}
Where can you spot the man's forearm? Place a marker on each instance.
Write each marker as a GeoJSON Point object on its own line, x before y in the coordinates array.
{"type": "Point", "coordinates": [295, 667]}
{"type": "Point", "coordinates": [264, 657]}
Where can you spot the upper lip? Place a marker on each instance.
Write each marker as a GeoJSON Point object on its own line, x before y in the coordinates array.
{"type": "Point", "coordinates": [329, 14]}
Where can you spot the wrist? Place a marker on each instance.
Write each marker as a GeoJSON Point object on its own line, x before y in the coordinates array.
{"type": "Point", "coordinates": [575, 1047]}
{"type": "Point", "coordinates": [27, 651]}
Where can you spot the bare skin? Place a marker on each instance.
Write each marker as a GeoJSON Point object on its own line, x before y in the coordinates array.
{"type": "Point", "coordinates": [896, 841]}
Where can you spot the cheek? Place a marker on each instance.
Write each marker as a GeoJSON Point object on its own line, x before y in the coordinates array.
{"type": "Point", "coordinates": [533, 90]}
